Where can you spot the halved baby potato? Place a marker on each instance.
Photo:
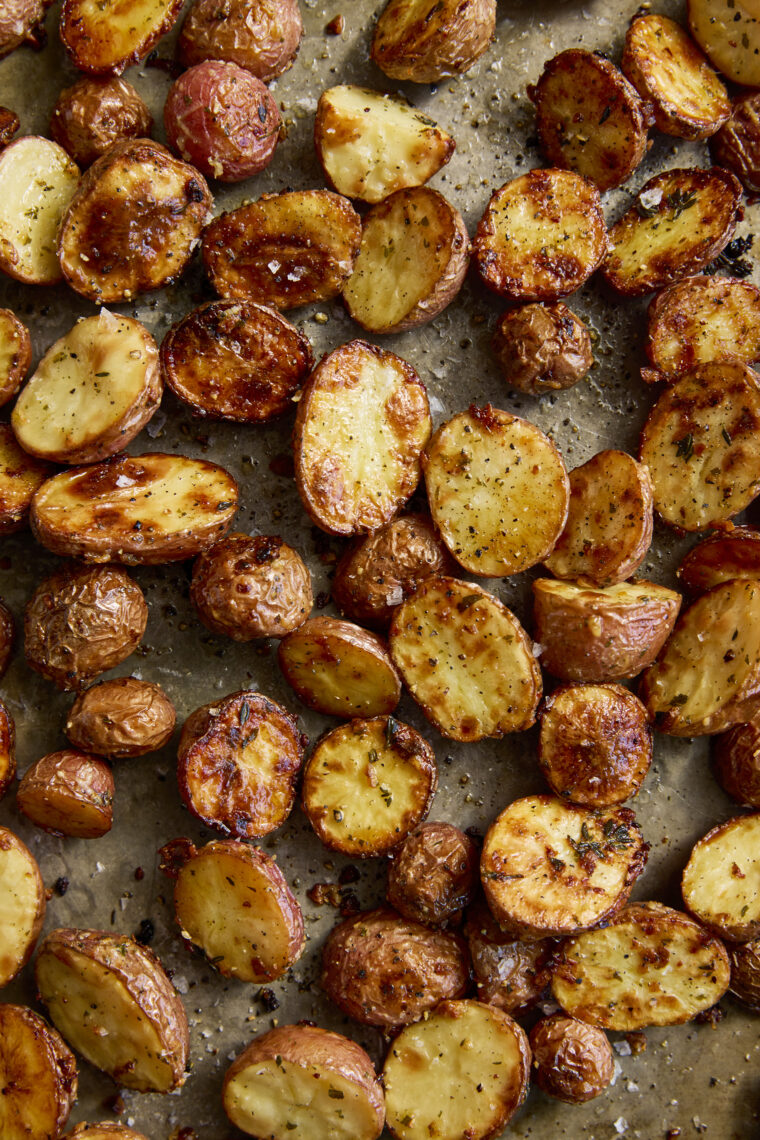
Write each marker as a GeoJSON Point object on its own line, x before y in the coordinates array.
{"type": "Point", "coordinates": [103, 37]}
{"type": "Point", "coordinates": [729, 33]}
{"type": "Point", "coordinates": [38, 1076]}
{"type": "Point", "coordinates": [20, 477]}
{"type": "Point", "coordinates": [736, 146]}
{"type": "Point", "coordinates": [721, 881]}
{"type": "Point", "coordinates": [720, 557]}
{"type": "Point", "coordinates": [15, 354]}
{"type": "Point", "coordinates": [104, 1130]}
{"type": "Point", "coordinates": [37, 183]}
{"type": "Point", "coordinates": [92, 393]}
{"type": "Point", "coordinates": [7, 749]}
{"type": "Point", "coordinates": [426, 40]}
{"type": "Point", "coordinates": [68, 793]}
{"type": "Point", "coordinates": [736, 762]}
{"type": "Point", "coordinates": [22, 904]}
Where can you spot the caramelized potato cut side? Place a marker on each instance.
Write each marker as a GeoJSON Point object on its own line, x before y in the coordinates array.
{"type": "Point", "coordinates": [91, 393]}
{"type": "Point", "coordinates": [142, 509]}
{"type": "Point", "coordinates": [425, 41]}
{"type": "Point", "coordinates": [707, 678]}
{"type": "Point", "coordinates": [339, 669]}
{"type": "Point", "coordinates": [38, 1075]}
{"type": "Point", "coordinates": [609, 524]}
{"type": "Point", "coordinates": [605, 634]}
{"type": "Point", "coordinates": [737, 762]}
{"type": "Point", "coordinates": [112, 1001]}
{"type": "Point", "coordinates": [729, 33]}
{"type": "Point", "coordinates": [304, 1080]}
{"type": "Point", "coordinates": [498, 491]}
{"type": "Point", "coordinates": [509, 973]}
{"type": "Point", "coordinates": [745, 972]}
{"type": "Point", "coordinates": [371, 144]}
{"type": "Point", "coordinates": [133, 224]}
{"type": "Point", "coordinates": [232, 901]}
{"type": "Point", "coordinates": [572, 1061]}
{"type": "Point", "coordinates": [285, 250]}
{"type": "Point", "coordinates": [120, 718]}
{"type": "Point", "coordinates": [411, 264]}
{"type": "Point", "coordinates": [721, 557]}
{"type": "Point", "coordinates": [736, 146]}
{"type": "Point", "coordinates": [22, 904]}
{"type": "Point", "coordinates": [362, 422]}
{"type": "Point", "coordinates": [649, 965]}
{"type": "Point", "coordinates": [37, 182]}
{"type": "Point", "coordinates": [20, 476]}
{"type": "Point", "coordinates": [589, 118]}
{"type": "Point", "coordinates": [721, 881]}
{"type": "Point", "coordinates": [236, 360]}
{"type": "Point", "coordinates": [105, 1130]}
{"type": "Point", "coordinates": [432, 875]}
{"type": "Point", "coordinates": [466, 660]}
{"type": "Point", "coordinates": [681, 220]}
{"type": "Point", "coordinates": [68, 793]}
{"type": "Point", "coordinates": [367, 784]}
{"type": "Point", "coordinates": [260, 35]}
{"type": "Point", "coordinates": [104, 38]}
{"type": "Point", "coordinates": [701, 443]}
{"type": "Point", "coordinates": [7, 749]}
{"type": "Point", "coordinates": [238, 763]}
{"type": "Point", "coordinates": [541, 236]}
{"type": "Point", "coordinates": [15, 354]}
{"type": "Point", "coordinates": [462, 1072]}
{"type": "Point", "coordinates": [668, 70]}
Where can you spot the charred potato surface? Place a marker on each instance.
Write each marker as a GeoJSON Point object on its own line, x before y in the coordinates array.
{"type": "Point", "coordinates": [736, 146]}
{"type": "Point", "coordinates": [121, 718]}
{"type": "Point", "coordinates": [68, 793]}
{"type": "Point", "coordinates": [21, 475]}
{"type": "Point", "coordinates": [22, 905]}
{"type": "Point", "coordinates": [542, 348]}
{"type": "Point", "coordinates": [95, 113]}
{"type": "Point", "coordinates": [15, 354]}
{"type": "Point", "coordinates": [104, 38]}
{"type": "Point", "coordinates": [571, 1061]}
{"type": "Point", "coordinates": [510, 973]}
{"type": "Point", "coordinates": [737, 762]}
{"type": "Point", "coordinates": [720, 557]}
{"type": "Point", "coordinates": [7, 749]}
{"type": "Point", "coordinates": [721, 881]}
{"type": "Point", "coordinates": [261, 35]}
{"type": "Point", "coordinates": [432, 875]}
{"type": "Point", "coordinates": [425, 41]}
{"type": "Point", "coordinates": [38, 1076]}
{"type": "Point", "coordinates": [38, 181]}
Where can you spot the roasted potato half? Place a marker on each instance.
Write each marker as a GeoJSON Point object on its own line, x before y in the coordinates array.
{"type": "Point", "coordinates": [728, 32]}
{"type": "Point", "coordinates": [111, 999]}
{"type": "Point", "coordinates": [510, 973]}
{"type": "Point", "coordinates": [425, 41]}
{"type": "Point", "coordinates": [103, 39]}
{"type": "Point", "coordinates": [104, 1131]}
{"type": "Point", "coordinates": [432, 875]}
{"type": "Point", "coordinates": [68, 793]}
{"type": "Point", "coordinates": [542, 348]}
{"type": "Point", "coordinates": [731, 552]}
{"type": "Point", "coordinates": [21, 475]}
{"type": "Point", "coordinates": [7, 636]}
{"type": "Point", "coordinates": [261, 35]}
{"type": "Point", "coordinates": [21, 21]}
{"type": "Point", "coordinates": [736, 764]}
{"type": "Point", "coordinates": [572, 1061]}
{"type": "Point", "coordinates": [736, 146]}
{"type": "Point", "coordinates": [15, 354]}
{"type": "Point", "coordinates": [22, 905]}
{"type": "Point", "coordinates": [95, 113]}
{"type": "Point", "coordinates": [721, 881]}
{"type": "Point", "coordinates": [38, 181]}
{"type": "Point", "coordinates": [7, 749]}
{"type": "Point", "coordinates": [745, 972]}
{"type": "Point", "coordinates": [121, 718]}
{"type": "Point", "coordinates": [38, 1075]}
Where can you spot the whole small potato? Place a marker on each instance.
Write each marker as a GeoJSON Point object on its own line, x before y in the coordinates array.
{"type": "Point", "coordinates": [432, 875]}
{"type": "Point", "coordinates": [20, 21]}
{"type": "Point", "coordinates": [737, 762]}
{"type": "Point", "coordinates": [572, 1061]}
{"type": "Point", "coordinates": [509, 973]}
{"type": "Point", "coordinates": [96, 112]}
{"type": "Point", "coordinates": [223, 120]}
{"type": "Point", "coordinates": [745, 972]}
{"type": "Point", "coordinates": [542, 347]}
{"type": "Point", "coordinates": [121, 718]}
{"type": "Point", "coordinates": [247, 587]}
{"type": "Point", "coordinates": [69, 793]}
{"type": "Point", "coordinates": [259, 35]}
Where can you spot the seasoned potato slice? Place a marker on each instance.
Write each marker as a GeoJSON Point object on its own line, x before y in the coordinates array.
{"type": "Point", "coordinates": [542, 347]}
{"type": "Point", "coordinates": [509, 973]}
{"type": "Point", "coordinates": [339, 669]}
{"type": "Point", "coordinates": [22, 904]}
{"type": "Point", "coordinates": [120, 718]}
{"type": "Point", "coordinates": [285, 250]}
{"type": "Point", "coordinates": [411, 263]}
{"type": "Point", "coordinates": [95, 113]}
{"type": "Point", "coordinates": [425, 40]}
{"type": "Point", "coordinates": [7, 749]}
{"type": "Point", "coordinates": [550, 869]}
{"type": "Point", "coordinates": [745, 972]}
{"type": "Point", "coordinates": [462, 1072]}
{"type": "Point", "coordinates": [367, 784]}
{"type": "Point", "coordinates": [261, 35]}
{"type": "Point", "coordinates": [737, 762]}
{"type": "Point", "coordinates": [92, 393]}
{"type": "Point", "coordinates": [605, 634]}
{"type": "Point", "coordinates": [141, 509]}
{"type": "Point", "coordinates": [104, 38]}
{"type": "Point", "coordinates": [38, 1076]}
{"type": "Point", "coordinates": [301, 1079]}
{"type": "Point", "coordinates": [736, 146]}
{"type": "Point", "coordinates": [650, 965]}
{"type": "Point", "coordinates": [371, 144]}
{"type": "Point", "coordinates": [541, 236]}
{"type": "Point", "coordinates": [432, 875]}
{"type": "Point", "coordinates": [589, 118]}
{"type": "Point", "coordinates": [68, 793]}
{"type": "Point", "coordinates": [572, 1061]}
{"type": "Point", "coordinates": [362, 422]}
{"type": "Point", "coordinates": [466, 660]}
{"type": "Point", "coordinates": [238, 763]}
{"type": "Point", "coordinates": [720, 557]}
{"type": "Point", "coordinates": [721, 881]}
{"type": "Point", "coordinates": [668, 70]}
{"type": "Point", "coordinates": [701, 443]}
{"type": "Point", "coordinates": [729, 32]}
{"type": "Point", "coordinates": [681, 220]}
{"type": "Point", "coordinates": [609, 524]}
{"type": "Point", "coordinates": [15, 354]}
{"type": "Point", "coordinates": [498, 490]}
{"type": "Point", "coordinates": [236, 360]}
{"type": "Point", "coordinates": [20, 477]}
{"type": "Point", "coordinates": [134, 222]}
{"type": "Point", "coordinates": [112, 1001]}
{"type": "Point", "coordinates": [37, 182]}
{"type": "Point", "coordinates": [707, 678]}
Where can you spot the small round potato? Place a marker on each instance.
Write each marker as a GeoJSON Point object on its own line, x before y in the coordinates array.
{"type": "Point", "coordinates": [542, 347]}
{"type": "Point", "coordinates": [247, 587]}
{"type": "Point", "coordinates": [509, 973]}
{"type": "Point", "coordinates": [723, 555]}
{"type": "Point", "coordinates": [745, 972]}
{"type": "Point", "coordinates": [7, 749]}
{"type": "Point", "coordinates": [38, 1076]}
{"type": "Point", "coordinates": [7, 634]}
{"type": "Point", "coordinates": [21, 20]}
{"type": "Point", "coordinates": [68, 793]}
{"type": "Point", "coordinates": [81, 621]}
{"type": "Point", "coordinates": [259, 35]}
{"type": "Point", "coordinates": [95, 113]}
{"type": "Point", "coordinates": [572, 1061]}
{"type": "Point", "coordinates": [432, 876]}
{"type": "Point", "coordinates": [15, 354]}
{"type": "Point", "coordinates": [121, 718]}
{"type": "Point", "coordinates": [426, 42]}
{"type": "Point", "coordinates": [737, 762]}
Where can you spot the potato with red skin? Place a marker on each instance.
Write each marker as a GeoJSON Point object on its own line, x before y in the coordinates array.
{"type": "Point", "coordinates": [737, 762]}
{"type": "Point", "coordinates": [96, 112]}
{"type": "Point", "coordinates": [509, 973]}
{"type": "Point", "coordinates": [20, 22]}
{"type": "Point", "coordinates": [262, 36]}
{"type": "Point", "coordinates": [121, 718]}
{"type": "Point", "coordinates": [745, 972]}
{"type": "Point", "coordinates": [729, 552]}
{"type": "Point", "coordinates": [542, 347]}
{"type": "Point", "coordinates": [68, 793]}
{"type": "Point", "coordinates": [433, 874]}
{"type": "Point", "coordinates": [572, 1061]}
{"type": "Point", "coordinates": [7, 634]}
{"type": "Point", "coordinates": [223, 120]}
{"type": "Point", "coordinates": [9, 124]}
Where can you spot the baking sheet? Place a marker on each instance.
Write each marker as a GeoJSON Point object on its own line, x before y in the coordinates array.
{"type": "Point", "coordinates": [700, 1080]}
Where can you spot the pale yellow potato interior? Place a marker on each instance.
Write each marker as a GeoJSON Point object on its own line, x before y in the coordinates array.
{"type": "Point", "coordinates": [257, 763]}
{"type": "Point", "coordinates": [721, 882]}
{"type": "Point", "coordinates": [355, 681]}
{"type": "Point", "coordinates": [19, 907]}
{"type": "Point", "coordinates": [20, 475]}
{"type": "Point", "coordinates": [693, 89]}
{"type": "Point", "coordinates": [31, 1100]}
{"type": "Point", "coordinates": [114, 29]}
{"type": "Point", "coordinates": [37, 182]}
{"type": "Point", "coordinates": [9, 346]}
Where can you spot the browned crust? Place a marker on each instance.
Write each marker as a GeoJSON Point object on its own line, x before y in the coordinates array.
{"type": "Point", "coordinates": [95, 113]}
{"type": "Point", "coordinates": [731, 552]}
{"type": "Point", "coordinates": [721, 925]}
{"type": "Point", "coordinates": [572, 1061]}
{"type": "Point", "coordinates": [745, 973]}
{"type": "Point", "coordinates": [68, 793]}
{"type": "Point", "coordinates": [13, 331]}
{"type": "Point", "coordinates": [443, 38]}
{"type": "Point", "coordinates": [736, 146]}
{"type": "Point", "coordinates": [542, 348]}
{"type": "Point", "coordinates": [7, 841]}
{"type": "Point", "coordinates": [20, 476]}
{"type": "Point", "coordinates": [432, 875]}
{"type": "Point", "coordinates": [7, 636]}
{"type": "Point", "coordinates": [510, 974]}
{"type": "Point", "coordinates": [7, 749]}
{"type": "Point", "coordinates": [84, 41]}
{"type": "Point", "coordinates": [60, 1063]}
{"type": "Point", "coordinates": [736, 762]}
{"type": "Point", "coordinates": [120, 718]}
{"type": "Point", "coordinates": [104, 1130]}
{"type": "Point", "coordinates": [261, 35]}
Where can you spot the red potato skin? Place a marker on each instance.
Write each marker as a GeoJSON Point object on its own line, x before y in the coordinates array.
{"type": "Point", "coordinates": [58, 784]}
{"type": "Point", "coordinates": [7, 636]}
{"type": "Point", "coordinates": [261, 35]}
{"type": "Point", "coordinates": [21, 22]}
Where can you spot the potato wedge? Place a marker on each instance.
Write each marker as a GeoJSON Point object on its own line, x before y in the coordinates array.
{"type": "Point", "coordinates": [572, 1061]}
{"type": "Point", "coordinates": [650, 965]}
{"type": "Point", "coordinates": [104, 38]}
{"type": "Point", "coordinates": [303, 1079]}
{"type": "Point", "coordinates": [15, 354]}
{"type": "Point", "coordinates": [466, 660]}
{"type": "Point", "coordinates": [425, 41]}
{"type": "Point", "coordinates": [238, 764]}
{"type": "Point", "coordinates": [600, 635]}
{"type": "Point", "coordinates": [367, 785]}
{"type": "Point", "coordinates": [589, 118]}
{"type": "Point", "coordinates": [261, 35]}
{"type": "Point", "coordinates": [236, 360]}
{"type": "Point", "coordinates": [339, 669]}
{"type": "Point", "coordinates": [93, 391]}
{"type": "Point", "coordinates": [22, 21]}
{"type": "Point", "coordinates": [609, 524]}
{"type": "Point", "coordinates": [111, 999]}
{"type": "Point", "coordinates": [362, 422]}
{"type": "Point", "coordinates": [38, 181]}
{"type": "Point", "coordinates": [285, 250]}
{"type": "Point", "coordinates": [7, 636]}
{"type": "Point", "coordinates": [701, 443]}
{"type": "Point", "coordinates": [729, 33]}
{"type": "Point", "coordinates": [498, 491]}
{"type": "Point", "coordinates": [721, 880]}
{"type": "Point", "coordinates": [68, 793]}
{"type": "Point", "coordinates": [133, 223]}
{"type": "Point", "coordinates": [736, 146]}
{"type": "Point", "coordinates": [509, 973]}
{"type": "Point", "coordinates": [411, 263]}
{"type": "Point", "coordinates": [22, 905]}
{"type": "Point", "coordinates": [94, 113]}
{"type": "Point", "coordinates": [745, 972]}
{"type": "Point", "coordinates": [462, 1072]}
{"type": "Point", "coordinates": [720, 557]}
{"type": "Point", "coordinates": [139, 510]}
{"type": "Point", "coordinates": [7, 749]}
{"type": "Point", "coordinates": [370, 143]}
{"type": "Point", "coordinates": [542, 348]}
{"type": "Point", "coordinates": [120, 718]}
{"type": "Point", "coordinates": [668, 70]}
{"type": "Point", "coordinates": [38, 1076]}
{"type": "Point", "coordinates": [736, 762]}
{"type": "Point", "coordinates": [680, 221]}
{"type": "Point", "coordinates": [20, 477]}
{"type": "Point", "coordinates": [432, 875]}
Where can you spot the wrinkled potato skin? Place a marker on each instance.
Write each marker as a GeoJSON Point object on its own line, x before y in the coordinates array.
{"type": "Point", "coordinates": [509, 973]}
{"type": "Point", "coordinates": [82, 621]}
{"type": "Point", "coordinates": [722, 556]}
{"type": "Point", "coordinates": [9, 124]}
{"type": "Point", "coordinates": [95, 113]}
{"type": "Point", "coordinates": [19, 20]}
{"type": "Point", "coordinates": [7, 749]}
{"type": "Point", "coordinates": [432, 876]}
{"type": "Point", "coordinates": [440, 40]}
{"type": "Point", "coordinates": [68, 793]}
{"type": "Point", "coordinates": [745, 972]}
{"type": "Point", "coordinates": [737, 762]}
{"type": "Point", "coordinates": [262, 36]}
{"type": "Point", "coordinates": [121, 718]}
{"type": "Point", "coordinates": [7, 634]}
{"type": "Point", "coordinates": [542, 348]}
{"type": "Point", "coordinates": [572, 1061]}
{"type": "Point", "coordinates": [12, 330]}
{"type": "Point", "coordinates": [736, 146]}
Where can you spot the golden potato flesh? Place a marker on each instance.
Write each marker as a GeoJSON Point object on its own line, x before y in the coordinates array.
{"type": "Point", "coordinates": [20, 476]}
{"type": "Point", "coordinates": [38, 1076]}
{"type": "Point", "coordinates": [728, 32]}
{"type": "Point", "coordinates": [104, 38]}
{"type": "Point", "coordinates": [38, 181]}
{"type": "Point", "coordinates": [721, 881]}
{"type": "Point", "coordinates": [22, 904]}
